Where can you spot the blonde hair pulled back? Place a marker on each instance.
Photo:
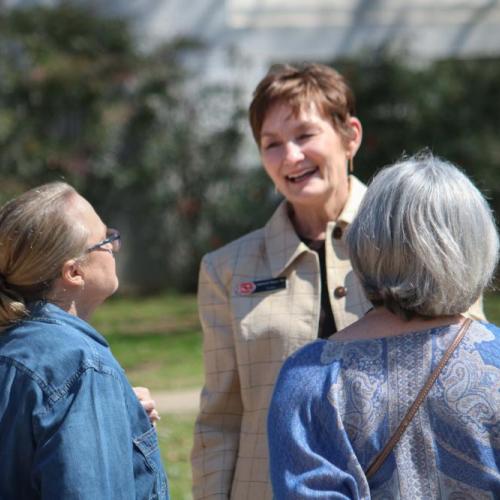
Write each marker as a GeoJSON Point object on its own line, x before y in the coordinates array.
{"type": "Point", "coordinates": [37, 236]}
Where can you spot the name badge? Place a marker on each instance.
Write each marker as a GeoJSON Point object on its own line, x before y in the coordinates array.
{"type": "Point", "coordinates": [251, 287]}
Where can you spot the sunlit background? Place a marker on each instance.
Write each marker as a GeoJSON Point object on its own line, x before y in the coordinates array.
{"type": "Point", "coordinates": [141, 105]}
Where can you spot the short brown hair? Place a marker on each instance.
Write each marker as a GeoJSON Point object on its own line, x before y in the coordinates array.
{"type": "Point", "coordinates": [299, 86]}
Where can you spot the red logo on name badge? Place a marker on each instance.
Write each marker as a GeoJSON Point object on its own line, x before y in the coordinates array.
{"type": "Point", "coordinates": [246, 288]}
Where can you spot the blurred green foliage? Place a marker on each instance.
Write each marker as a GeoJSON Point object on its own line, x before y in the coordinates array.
{"type": "Point", "coordinates": [450, 106]}
{"type": "Point", "coordinates": [157, 151]}
{"type": "Point", "coordinates": [79, 101]}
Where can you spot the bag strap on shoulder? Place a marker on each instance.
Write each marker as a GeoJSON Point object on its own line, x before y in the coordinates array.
{"type": "Point", "coordinates": [382, 456]}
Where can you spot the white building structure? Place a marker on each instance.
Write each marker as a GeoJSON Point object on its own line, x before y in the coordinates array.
{"type": "Point", "coordinates": [243, 37]}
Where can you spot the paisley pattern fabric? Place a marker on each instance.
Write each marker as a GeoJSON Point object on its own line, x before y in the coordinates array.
{"type": "Point", "coordinates": [337, 403]}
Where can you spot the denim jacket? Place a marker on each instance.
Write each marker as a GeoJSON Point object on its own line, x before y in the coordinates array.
{"type": "Point", "coordinates": [70, 424]}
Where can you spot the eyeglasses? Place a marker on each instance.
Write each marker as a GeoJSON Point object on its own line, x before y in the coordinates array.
{"type": "Point", "coordinates": [112, 236]}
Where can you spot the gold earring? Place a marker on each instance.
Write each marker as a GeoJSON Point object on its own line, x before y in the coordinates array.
{"type": "Point", "coordinates": [351, 165]}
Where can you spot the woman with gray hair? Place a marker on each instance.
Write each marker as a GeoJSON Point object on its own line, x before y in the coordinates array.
{"type": "Point", "coordinates": [70, 424]}
{"type": "Point", "coordinates": [404, 403]}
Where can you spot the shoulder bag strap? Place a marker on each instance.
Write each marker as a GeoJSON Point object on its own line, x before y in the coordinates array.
{"type": "Point", "coordinates": [381, 457]}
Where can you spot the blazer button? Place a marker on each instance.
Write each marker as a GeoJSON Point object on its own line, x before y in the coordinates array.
{"type": "Point", "coordinates": [340, 292]}
{"type": "Point", "coordinates": [337, 232]}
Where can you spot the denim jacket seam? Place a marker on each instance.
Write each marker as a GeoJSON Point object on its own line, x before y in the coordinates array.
{"type": "Point", "coordinates": [54, 321]}
{"type": "Point", "coordinates": [44, 319]}
{"type": "Point", "coordinates": [95, 362]}
{"type": "Point", "coordinates": [61, 391]}
{"type": "Point", "coordinates": [44, 386]}
{"type": "Point", "coordinates": [53, 394]}
{"type": "Point", "coordinates": [143, 442]}
{"type": "Point", "coordinates": [58, 394]}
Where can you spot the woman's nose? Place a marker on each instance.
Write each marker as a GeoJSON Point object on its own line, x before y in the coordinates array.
{"type": "Point", "coordinates": [293, 152]}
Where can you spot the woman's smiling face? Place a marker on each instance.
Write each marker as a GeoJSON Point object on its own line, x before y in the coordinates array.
{"type": "Point", "coordinates": [304, 155]}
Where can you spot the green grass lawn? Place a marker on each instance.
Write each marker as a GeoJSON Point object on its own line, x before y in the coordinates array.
{"type": "Point", "coordinates": [158, 341]}
{"type": "Point", "coordinates": [175, 433]}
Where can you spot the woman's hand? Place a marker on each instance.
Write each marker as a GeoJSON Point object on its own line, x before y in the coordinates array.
{"type": "Point", "coordinates": [147, 403]}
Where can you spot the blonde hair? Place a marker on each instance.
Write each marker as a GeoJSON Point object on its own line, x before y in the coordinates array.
{"type": "Point", "coordinates": [36, 237]}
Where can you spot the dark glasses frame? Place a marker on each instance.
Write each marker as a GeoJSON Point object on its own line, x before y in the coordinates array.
{"type": "Point", "coordinates": [112, 236]}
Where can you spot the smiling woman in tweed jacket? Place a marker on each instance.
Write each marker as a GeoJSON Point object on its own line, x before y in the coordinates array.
{"type": "Point", "coordinates": [272, 291]}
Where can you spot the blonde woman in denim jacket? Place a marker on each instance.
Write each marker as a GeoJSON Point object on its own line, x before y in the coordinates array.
{"type": "Point", "coordinates": [70, 424]}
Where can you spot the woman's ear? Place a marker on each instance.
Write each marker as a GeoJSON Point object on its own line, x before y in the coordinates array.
{"type": "Point", "coordinates": [357, 136]}
{"type": "Point", "coordinates": [72, 275]}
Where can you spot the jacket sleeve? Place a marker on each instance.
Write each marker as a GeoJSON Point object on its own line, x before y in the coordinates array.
{"type": "Point", "coordinates": [85, 443]}
{"type": "Point", "coordinates": [217, 428]}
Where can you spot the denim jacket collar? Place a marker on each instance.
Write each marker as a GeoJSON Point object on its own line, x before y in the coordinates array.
{"type": "Point", "coordinates": [50, 313]}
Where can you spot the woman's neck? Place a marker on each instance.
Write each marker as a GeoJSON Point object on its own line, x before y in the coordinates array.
{"type": "Point", "coordinates": [380, 322]}
{"type": "Point", "coordinates": [70, 302]}
{"type": "Point", "coordinates": [310, 221]}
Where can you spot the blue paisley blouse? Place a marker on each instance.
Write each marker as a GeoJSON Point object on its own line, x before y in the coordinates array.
{"type": "Point", "coordinates": [336, 404]}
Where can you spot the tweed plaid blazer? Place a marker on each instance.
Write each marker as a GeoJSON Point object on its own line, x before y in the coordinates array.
{"type": "Point", "coordinates": [259, 301]}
